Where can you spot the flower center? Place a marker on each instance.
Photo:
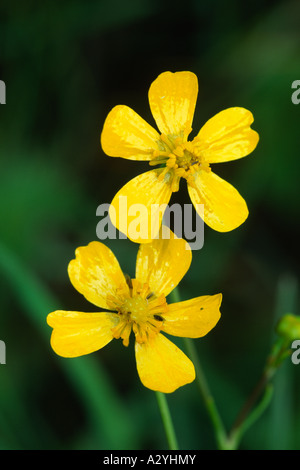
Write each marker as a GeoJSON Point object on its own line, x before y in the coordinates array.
{"type": "Point", "coordinates": [136, 307]}
{"type": "Point", "coordinates": [182, 158]}
{"type": "Point", "coordinates": [141, 312]}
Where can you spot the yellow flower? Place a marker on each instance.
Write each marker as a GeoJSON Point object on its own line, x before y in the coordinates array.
{"type": "Point", "coordinates": [227, 136]}
{"type": "Point", "coordinates": [137, 305]}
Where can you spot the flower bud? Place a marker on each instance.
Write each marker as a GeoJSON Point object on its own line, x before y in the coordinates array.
{"type": "Point", "coordinates": [288, 327]}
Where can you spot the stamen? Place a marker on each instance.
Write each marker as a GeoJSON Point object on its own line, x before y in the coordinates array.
{"type": "Point", "coordinates": [186, 133]}
{"type": "Point", "coordinates": [180, 172]}
{"type": "Point", "coordinates": [158, 161]}
{"type": "Point", "coordinates": [175, 183]}
{"type": "Point", "coordinates": [162, 175]}
{"type": "Point", "coordinates": [141, 312]}
{"type": "Point", "coordinates": [172, 161]}
{"type": "Point", "coordinates": [167, 141]}
{"type": "Point", "coordinates": [158, 305]}
{"type": "Point", "coordinates": [205, 166]}
{"type": "Point", "coordinates": [180, 157]}
{"type": "Point", "coordinates": [122, 330]}
{"type": "Point", "coordinates": [179, 152]}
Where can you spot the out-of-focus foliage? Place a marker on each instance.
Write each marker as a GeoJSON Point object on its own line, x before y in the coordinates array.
{"type": "Point", "coordinates": [65, 65]}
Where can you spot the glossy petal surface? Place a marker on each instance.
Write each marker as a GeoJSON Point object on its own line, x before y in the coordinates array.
{"type": "Point", "coordinates": [163, 263]}
{"type": "Point", "coordinates": [192, 318]}
{"type": "Point", "coordinates": [77, 333]}
{"type": "Point", "coordinates": [224, 207]}
{"type": "Point", "coordinates": [135, 210]}
{"type": "Point", "coordinates": [227, 136]}
{"type": "Point", "coordinates": [162, 366]}
{"type": "Point", "coordinates": [172, 99]}
{"type": "Point", "coordinates": [125, 134]}
{"type": "Point", "coordinates": [96, 274]}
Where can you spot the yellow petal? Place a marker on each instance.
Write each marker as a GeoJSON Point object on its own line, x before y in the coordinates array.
{"type": "Point", "coordinates": [162, 366]}
{"type": "Point", "coordinates": [227, 136]}
{"type": "Point", "coordinates": [172, 99]}
{"type": "Point", "coordinates": [224, 207]}
{"type": "Point", "coordinates": [163, 262]}
{"type": "Point", "coordinates": [138, 208]}
{"type": "Point", "coordinates": [77, 333]}
{"type": "Point", "coordinates": [192, 318]}
{"type": "Point", "coordinates": [125, 134]}
{"type": "Point", "coordinates": [96, 274]}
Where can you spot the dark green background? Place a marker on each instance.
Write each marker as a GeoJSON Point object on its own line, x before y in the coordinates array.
{"type": "Point", "coordinates": [65, 65]}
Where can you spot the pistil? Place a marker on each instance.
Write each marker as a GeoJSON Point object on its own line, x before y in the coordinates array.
{"type": "Point", "coordinates": [141, 312]}
{"type": "Point", "coordinates": [180, 158]}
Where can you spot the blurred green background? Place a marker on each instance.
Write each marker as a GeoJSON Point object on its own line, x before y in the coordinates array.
{"type": "Point", "coordinates": [65, 65]}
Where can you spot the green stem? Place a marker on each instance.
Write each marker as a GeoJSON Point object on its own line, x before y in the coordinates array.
{"type": "Point", "coordinates": [254, 406]}
{"type": "Point", "coordinates": [252, 411]}
{"type": "Point", "coordinates": [220, 432]}
{"type": "Point", "coordinates": [167, 420]}
{"type": "Point", "coordinates": [219, 429]}
{"type": "Point", "coordinates": [239, 430]}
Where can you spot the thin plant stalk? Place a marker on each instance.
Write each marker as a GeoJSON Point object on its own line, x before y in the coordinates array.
{"type": "Point", "coordinates": [207, 397]}
{"type": "Point", "coordinates": [167, 420]}
{"type": "Point", "coordinates": [219, 429]}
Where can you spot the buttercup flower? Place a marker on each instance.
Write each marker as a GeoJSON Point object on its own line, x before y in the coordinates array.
{"type": "Point", "coordinates": [136, 305]}
{"type": "Point", "coordinates": [227, 136]}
